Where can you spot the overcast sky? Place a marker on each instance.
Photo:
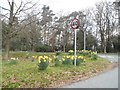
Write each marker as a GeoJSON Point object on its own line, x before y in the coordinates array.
{"type": "Point", "coordinates": [63, 6]}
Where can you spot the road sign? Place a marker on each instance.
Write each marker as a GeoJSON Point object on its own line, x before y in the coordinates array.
{"type": "Point", "coordinates": [75, 23]}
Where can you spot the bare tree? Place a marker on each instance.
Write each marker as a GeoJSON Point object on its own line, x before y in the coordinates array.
{"type": "Point", "coordinates": [13, 22]}
{"type": "Point", "coordinates": [104, 17]}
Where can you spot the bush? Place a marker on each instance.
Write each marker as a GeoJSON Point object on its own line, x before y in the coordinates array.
{"type": "Point", "coordinates": [43, 62]}
{"type": "Point", "coordinates": [43, 48]}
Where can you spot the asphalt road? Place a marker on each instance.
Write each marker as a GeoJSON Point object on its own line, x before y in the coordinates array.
{"type": "Point", "coordinates": [107, 79]}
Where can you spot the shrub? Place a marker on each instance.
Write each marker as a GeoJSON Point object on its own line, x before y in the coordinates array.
{"type": "Point", "coordinates": [43, 62]}
{"type": "Point", "coordinates": [43, 48]}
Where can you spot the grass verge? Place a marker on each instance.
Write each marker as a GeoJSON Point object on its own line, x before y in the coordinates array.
{"type": "Point", "coordinates": [25, 74]}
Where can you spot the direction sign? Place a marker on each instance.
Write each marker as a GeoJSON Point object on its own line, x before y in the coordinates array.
{"type": "Point", "coordinates": [75, 23]}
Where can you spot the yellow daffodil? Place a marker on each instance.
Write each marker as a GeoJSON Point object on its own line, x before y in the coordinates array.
{"type": "Point", "coordinates": [44, 60]}
{"type": "Point", "coordinates": [63, 59]}
{"type": "Point", "coordinates": [70, 51]}
{"type": "Point", "coordinates": [46, 57]}
{"type": "Point", "coordinates": [33, 56]}
{"type": "Point", "coordinates": [72, 57]}
{"type": "Point", "coordinates": [67, 56]}
{"type": "Point", "coordinates": [50, 59]}
{"type": "Point", "coordinates": [84, 60]}
{"type": "Point", "coordinates": [39, 61]}
{"type": "Point", "coordinates": [40, 57]}
{"type": "Point", "coordinates": [12, 58]}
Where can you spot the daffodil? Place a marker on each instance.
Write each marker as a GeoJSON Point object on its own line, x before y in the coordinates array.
{"type": "Point", "coordinates": [80, 57]}
{"type": "Point", "coordinates": [44, 60]}
{"type": "Point", "coordinates": [50, 59]}
{"type": "Point", "coordinates": [33, 56]}
{"type": "Point", "coordinates": [63, 59]}
{"type": "Point", "coordinates": [67, 56]}
{"type": "Point", "coordinates": [72, 57]}
{"type": "Point", "coordinates": [12, 58]}
{"type": "Point", "coordinates": [46, 57]}
{"type": "Point", "coordinates": [84, 60]}
{"type": "Point", "coordinates": [70, 51]}
{"type": "Point", "coordinates": [39, 61]}
{"type": "Point", "coordinates": [40, 57]}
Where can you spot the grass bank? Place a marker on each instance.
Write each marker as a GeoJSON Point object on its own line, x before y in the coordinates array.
{"type": "Point", "coordinates": [25, 73]}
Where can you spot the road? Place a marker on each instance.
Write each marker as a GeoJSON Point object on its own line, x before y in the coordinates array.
{"type": "Point", "coordinates": [107, 79]}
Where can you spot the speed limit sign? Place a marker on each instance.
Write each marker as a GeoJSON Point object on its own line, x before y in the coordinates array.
{"type": "Point", "coordinates": [75, 23]}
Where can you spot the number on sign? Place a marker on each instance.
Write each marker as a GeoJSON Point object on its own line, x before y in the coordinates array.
{"type": "Point", "coordinates": [75, 23]}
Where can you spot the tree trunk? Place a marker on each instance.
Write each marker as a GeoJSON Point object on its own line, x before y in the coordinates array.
{"type": "Point", "coordinates": [33, 49]}
{"type": "Point", "coordinates": [7, 42]}
{"type": "Point", "coordinates": [105, 49]}
{"type": "Point", "coordinates": [64, 48]}
{"type": "Point", "coordinates": [7, 49]}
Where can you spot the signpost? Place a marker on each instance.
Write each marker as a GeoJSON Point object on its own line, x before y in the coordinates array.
{"type": "Point", "coordinates": [75, 24]}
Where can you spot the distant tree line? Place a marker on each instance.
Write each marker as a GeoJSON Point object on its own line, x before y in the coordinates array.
{"type": "Point", "coordinates": [46, 32]}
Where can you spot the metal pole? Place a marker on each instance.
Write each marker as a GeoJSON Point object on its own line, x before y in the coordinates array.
{"type": "Point", "coordinates": [84, 40]}
{"type": "Point", "coordinates": [75, 48]}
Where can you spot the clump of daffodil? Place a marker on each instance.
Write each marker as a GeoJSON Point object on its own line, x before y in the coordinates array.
{"type": "Point", "coordinates": [43, 62]}
{"type": "Point", "coordinates": [71, 52]}
{"type": "Point", "coordinates": [94, 52]}
{"type": "Point", "coordinates": [34, 56]}
{"type": "Point", "coordinates": [69, 59]}
{"type": "Point", "coordinates": [13, 61]}
{"type": "Point", "coordinates": [66, 60]}
{"type": "Point", "coordinates": [94, 56]}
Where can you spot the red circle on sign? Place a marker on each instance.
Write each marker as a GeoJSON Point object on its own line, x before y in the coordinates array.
{"type": "Point", "coordinates": [75, 23]}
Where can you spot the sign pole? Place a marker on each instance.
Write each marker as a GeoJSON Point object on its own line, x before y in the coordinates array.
{"type": "Point", "coordinates": [75, 48]}
{"type": "Point", "coordinates": [75, 24]}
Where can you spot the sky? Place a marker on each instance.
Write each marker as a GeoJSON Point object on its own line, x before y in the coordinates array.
{"type": "Point", "coordinates": [68, 6]}
{"type": "Point", "coordinates": [62, 6]}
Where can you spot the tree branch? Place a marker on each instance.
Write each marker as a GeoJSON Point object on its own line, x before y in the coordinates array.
{"type": "Point", "coordinates": [30, 17]}
{"type": "Point", "coordinates": [4, 8]}
{"type": "Point", "coordinates": [9, 3]}
{"type": "Point", "coordinates": [16, 32]}
{"type": "Point", "coordinates": [18, 8]}
{"type": "Point", "coordinates": [4, 15]}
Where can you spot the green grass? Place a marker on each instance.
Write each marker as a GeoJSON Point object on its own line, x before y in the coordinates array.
{"type": "Point", "coordinates": [25, 74]}
{"type": "Point", "coordinates": [109, 53]}
{"type": "Point", "coordinates": [24, 54]}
